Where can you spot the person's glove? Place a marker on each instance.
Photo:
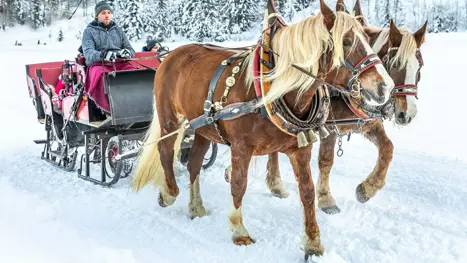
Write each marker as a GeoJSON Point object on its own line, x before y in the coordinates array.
{"type": "Point", "coordinates": [110, 55]}
{"type": "Point", "coordinates": [124, 53]}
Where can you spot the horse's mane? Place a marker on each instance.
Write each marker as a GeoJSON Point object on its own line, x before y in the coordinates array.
{"type": "Point", "coordinates": [407, 49]}
{"type": "Point", "coordinates": [303, 43]}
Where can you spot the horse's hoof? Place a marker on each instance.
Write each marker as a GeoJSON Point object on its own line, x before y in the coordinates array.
{"type": "Point", "coordinates": [314, 252]}
{"type": "Point", "coordinates": [360, 194]}
{"type": "Point", "coordinates": [331, 210]}
{"type": "Point", "coordinates": [310, 254]}
{"type": "Point", "coordinates": [161, 201]}
{"type": "Point", "coordinates": [197, 212]}
{"type": "Point", "coordinates": [167, 200]}
{"type": "Point", "coordinates": [279, 193]}
{"type": "Point", "coordinates": [243, 241]}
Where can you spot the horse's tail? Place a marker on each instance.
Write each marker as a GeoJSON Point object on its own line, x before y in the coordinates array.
{"type": "Point", "coordinates": [149, 164]}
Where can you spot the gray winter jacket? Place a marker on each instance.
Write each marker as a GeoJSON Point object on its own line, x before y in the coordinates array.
{"type": "Point", "coordinates": [97, 39]}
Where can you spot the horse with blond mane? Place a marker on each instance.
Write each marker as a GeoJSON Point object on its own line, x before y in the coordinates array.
{"type": "Point", "coordinates": [327, 48]}
{"type": "Point", "coordinates": [400, 51]}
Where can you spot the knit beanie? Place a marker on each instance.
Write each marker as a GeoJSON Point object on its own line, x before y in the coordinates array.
{"type": "Point", "coordinates": [150, 44]}
{"type": "Point", "coordinates": [102, 5]}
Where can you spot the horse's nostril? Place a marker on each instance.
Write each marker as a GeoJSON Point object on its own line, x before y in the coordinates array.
{"type": "Point", "coordinates": [401, 115]}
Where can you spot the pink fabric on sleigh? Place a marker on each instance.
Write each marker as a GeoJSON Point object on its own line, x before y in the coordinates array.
{"type": "Point", "coordinates": [59, 88]}
{"type": "Point", "coordinates": [94, 86]}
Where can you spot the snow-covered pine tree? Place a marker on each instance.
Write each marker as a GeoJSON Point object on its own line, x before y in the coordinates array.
{"type": "Point", "coordinates": [299, 5]}
{"type": "Point", "coordinates": [455, 14]}
{"type": "Point", "coordinates": [369, 8]}
{"type": "Point", "coordinates": [177, 14]}
{"type": "Point", "coordinates": [186, 10]}
{"type": "Point", "coordinates": [36, 15]}
{"type": "Point", "coordinates": [218, 28]}
{"type": "Point", "coordinates": [384, 13]}
{"type": "Point", "coordinates": [463, 17]}
{"type": "Point", "coordinates": [465, 12]}
{"type": "Point", "coordinates": [424, 14]}
{"type": "Point", "coordinates": [112, 3]}
{"type": "Point", "coordinates": [366, 7]}
{"type": "Point", "coordinates": [66, 9]}
{"type": "Point", "coordinates": [3, 14]}
{"type": "Point", "coordinates": [280, 6]}
{"type": "Point", "coordinates": [162, 4]}
{"type": "Point", "coordinates": [47, 12]}
{"type": "Point", "coordinates": [285, 9]}
{"type": "Point", "coordinates": [399, 12]}
{"type": "Point", "coordinates": [289, 11]}
{"type": "Point", "coordinates": [201, 20]}
{"type": "Point", "coordinates": [437, 19]}
{"type": "Point", "coordinates": [156, 19]}
{"type": "Point", "coordinates": [21, 9]}
{"type": "Point", "coordinates": [411, 16]}
{"type": "Point", "coordinates": [118, 9]}
{"type": "Point", "coordinates": [239, 15]}
{"type": "Point", "coordinates": [55, 8]}
{"type": "Point", "coordinates": [376, 14]}
{"type": "Point", "coordinates": [451, 17]}
{"type": "Point", "coordinates": [130, 20]}
{"type": "Point", "coordinates": [8, 14]}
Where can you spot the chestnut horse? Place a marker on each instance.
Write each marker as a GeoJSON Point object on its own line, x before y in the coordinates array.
{"type": "Point", "coordinates": [400, 51]}
{"type": "Point", "coordinates": [181, 86]}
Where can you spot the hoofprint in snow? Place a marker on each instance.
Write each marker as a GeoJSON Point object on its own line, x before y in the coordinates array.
{"type": "Point", "coordinates": [47, 215]}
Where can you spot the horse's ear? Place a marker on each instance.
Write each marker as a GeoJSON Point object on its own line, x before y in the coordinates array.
{"type": "Point", "coordinates": [395, 35]}
{"type": "Point", "coordinates": [420, 34]}
{"type": "Point", "coordinates": [340, 6]}
{"type": "Point", "coordinates": [328, 15]}
{"type": "Point", "coordinates": [357, 10]}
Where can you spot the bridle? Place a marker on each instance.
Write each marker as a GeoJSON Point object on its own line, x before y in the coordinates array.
{"type": "Point", "coordinates": [387, 110]}
{"type": "Point", "coordinates": [403, 89]}
{"type": "Point", "coordinates": [353, 85]}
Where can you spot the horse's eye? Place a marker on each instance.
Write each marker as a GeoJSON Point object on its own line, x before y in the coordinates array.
{"type": "Point", "coordinates": [347, 43]}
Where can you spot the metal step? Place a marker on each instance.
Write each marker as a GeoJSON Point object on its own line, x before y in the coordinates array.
{"type": "Point", "coordinates": [40, 141]}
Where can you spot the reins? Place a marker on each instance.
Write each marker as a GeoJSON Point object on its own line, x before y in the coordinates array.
{"type": "Point", "coordinates": [161, 55]}
{"type": "Point", "coordinates": [158, 56]}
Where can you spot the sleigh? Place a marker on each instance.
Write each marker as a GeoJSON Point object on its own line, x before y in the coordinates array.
{"type": "Point", "coordinates": [72, 120]}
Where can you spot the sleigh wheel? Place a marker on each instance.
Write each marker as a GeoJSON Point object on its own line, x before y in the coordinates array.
{"type": "Point", "coordinates": [121, 168]}
{"type": "Point", "coordinates": [209, 158]}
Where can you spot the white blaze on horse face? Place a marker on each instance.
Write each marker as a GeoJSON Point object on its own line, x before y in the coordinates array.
{"type": "Point", "coordinates": [411, 78]}
{"type": "Point", "coordinates": [388, 82]}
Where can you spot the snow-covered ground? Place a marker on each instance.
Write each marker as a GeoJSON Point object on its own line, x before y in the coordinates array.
{"type": "Point", "coordinates": [47, 215]}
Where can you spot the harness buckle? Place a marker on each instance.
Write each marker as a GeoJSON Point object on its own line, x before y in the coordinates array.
{"type": "Point", "coordinates": [355, 90]}
{"type": "Point", "coordinates": [207, 105]}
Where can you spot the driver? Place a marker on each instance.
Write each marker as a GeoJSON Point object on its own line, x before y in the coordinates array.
{"type": "Point", "coordinates": [104, 42]}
